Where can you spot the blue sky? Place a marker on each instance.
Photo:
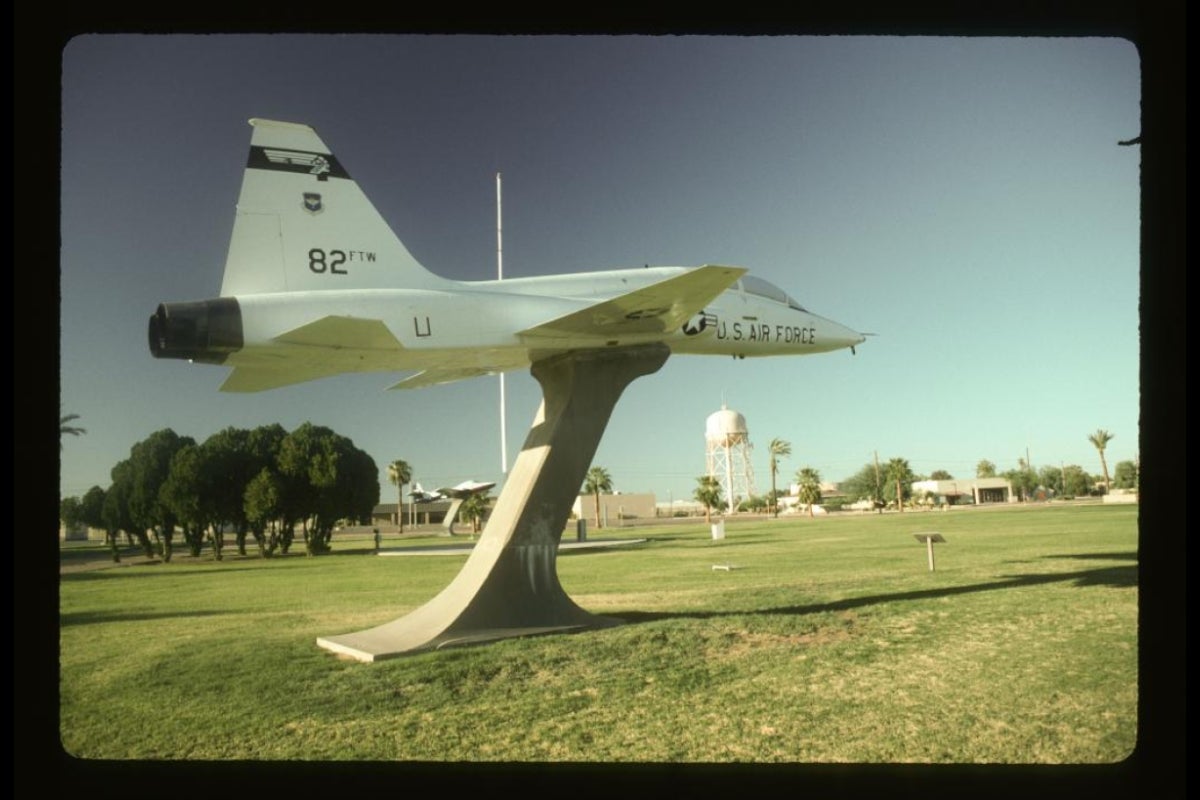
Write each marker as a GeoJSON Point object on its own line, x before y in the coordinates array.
{"type": "Point", "coordinates": [963, 198]}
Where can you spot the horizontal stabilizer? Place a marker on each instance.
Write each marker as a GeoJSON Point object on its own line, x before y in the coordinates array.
{"type": "Point", "coordinates": [317, 350]}
{"type": "Point", "coordinates": [656, 309]}
{"type": "Point", "coordinates": [348, 333]}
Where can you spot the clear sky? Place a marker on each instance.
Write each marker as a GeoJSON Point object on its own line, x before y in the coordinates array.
{"type": "Point", "coordinates": [964, 199]}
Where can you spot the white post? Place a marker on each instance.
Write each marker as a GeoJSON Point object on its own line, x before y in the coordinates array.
{"type": "Point", "coordinates": [500, 277]}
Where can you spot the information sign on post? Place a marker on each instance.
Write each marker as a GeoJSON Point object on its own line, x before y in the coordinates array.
{"type": "Point", "coordinates": [929, 538]}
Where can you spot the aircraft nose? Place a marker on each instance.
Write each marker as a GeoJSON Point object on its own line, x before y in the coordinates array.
{"type": "Point", "coordinates": [840, 336]}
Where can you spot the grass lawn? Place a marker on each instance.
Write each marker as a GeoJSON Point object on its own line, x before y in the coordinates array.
{"type": "Point", "coordinates": [827, 641]}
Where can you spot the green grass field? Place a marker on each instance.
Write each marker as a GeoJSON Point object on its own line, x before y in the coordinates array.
{"type": "Point", "coordinates": [828, 641]}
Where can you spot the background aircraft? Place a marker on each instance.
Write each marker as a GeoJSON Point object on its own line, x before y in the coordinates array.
{"type": "Point", "coordinates": [459, 491]}
{"type": "Point", "coordinates": [465, 489]}
{"type": "Point", "coordinates": [419, 495]}
{"type": "Point", "coordinates": [317, 284]}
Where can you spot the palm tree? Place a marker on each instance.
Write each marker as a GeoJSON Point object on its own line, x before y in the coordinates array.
{"type": "Point", "coordinates": [598, 480]}
{"type": "Point", "coordinates": [708, 493]}
{"type": "Point", "coordinates": [63, 427]}
{"type": "Point", "coordinates": [778, 448]}
{"type": "Point", "coordinates": [899, 473]}
{"type": "Point", "coordinates": [1100, 440]}
{"type": "Point", "coordinates": [399, 473]}
{"type": "Point", "coordinates": [809, 481]}
{"type": "Point", "coordinates": [474, 508]}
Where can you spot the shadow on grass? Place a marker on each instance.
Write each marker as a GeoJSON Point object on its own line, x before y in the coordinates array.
{"type": "Point", "coordinates": [174, 569]}
{"type": "Point", "coordinates": [89, 617]}
{"type": "Point", "coordinates": [1114, 577]}
{"type": "Point", "coordinates": [1099, 556]}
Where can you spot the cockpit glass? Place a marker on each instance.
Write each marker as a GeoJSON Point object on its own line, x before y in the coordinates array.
{"type": "Point", "coordinates": [761, 288]}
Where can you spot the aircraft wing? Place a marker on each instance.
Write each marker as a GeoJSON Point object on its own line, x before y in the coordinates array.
{"type": "Point", "coordinates": [258, 379]}
{"type": "Point", "coordinates": [464, 489]}
{"type": "Point", "coordinates": [659, 308]}
{"type": "Point", "coordinates": [318, 349]}
{"type": "Point", "coordinates": [432, 377]}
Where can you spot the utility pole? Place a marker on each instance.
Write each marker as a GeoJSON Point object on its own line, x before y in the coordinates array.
{"type": "Point", "coordinates": [878, 485]}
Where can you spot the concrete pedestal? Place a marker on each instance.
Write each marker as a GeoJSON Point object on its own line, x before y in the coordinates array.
{"type": "Point", "coordinates": [509, 586]}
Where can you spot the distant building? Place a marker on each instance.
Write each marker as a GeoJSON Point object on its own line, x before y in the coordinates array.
{"type": "Point", "coordinates": [979, 490]}
{"type": "Point", "coordinates": [384, 514]}
{"type": "Point", "coordinates": [614, 507]}
{"type": "Point", "coordinates": [80, 533]}
{"type": "Point", "coordinates": [692, 508]}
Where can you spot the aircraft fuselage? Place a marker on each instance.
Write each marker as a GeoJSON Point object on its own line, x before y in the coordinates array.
{"type": "Point", "coordinates": [479, 322]}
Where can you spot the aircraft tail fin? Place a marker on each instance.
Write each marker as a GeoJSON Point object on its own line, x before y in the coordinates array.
{"type": "Point", "coordinates": [303, 224]}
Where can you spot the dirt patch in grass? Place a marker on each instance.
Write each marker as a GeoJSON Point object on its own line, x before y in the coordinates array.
{"type": "Point", "coordinates": [738, 644]}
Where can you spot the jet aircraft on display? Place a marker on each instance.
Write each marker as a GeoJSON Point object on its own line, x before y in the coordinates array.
{"type": "Point", "coordinates": [317, 284]}
{"type": "Point", "coordinates": [419, 495]}
{"type": "Point", "coordinates": [458, 492]}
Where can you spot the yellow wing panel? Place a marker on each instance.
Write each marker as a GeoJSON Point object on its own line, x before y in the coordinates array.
{"type": "Point", "coordinates": [656, 309]}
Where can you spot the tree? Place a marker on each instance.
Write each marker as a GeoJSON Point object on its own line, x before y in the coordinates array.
{"type": "Point", "coordinates": [91, 509]}
{"type": "Point", "coordinates": [264, 507]}
{"type": "Point", "coordinates": [861, 485]}
{"type": "Point", "coordinates": [778, 448]}
{"type": "Point", "coordinates": [900, 476]}
{"type": "Point", "coordinates": [232, 462]}
{"type": "Point", "coordinates": [70, 430]}
{"type": "Point", "coordinates": [151, 463]}
{"type": "Point", "coordinates": [1076, 481]}
{"type": "Point", "coordinates": [117, 512]}
{"type": "Point", "coordinates": [188, 492]}
{"type": "Point", "coordinates": [596, 482]}
{"type": "Point", "coordinates": [327, 479]}
{"type": "Point", "coordinates": [1100, 440]}
{"type": "Point", "coordinates": [1051, 478]}
{"type": "Point", "coordinates": [399, 473]}
{"type": "Point", "coordinates": [308, 462]}
{"type": "Point", "coordinates": [985, 469]}
{"type": "Point", "coordinates": [70, 513]}
{"type": "Point", "coordinates": [708, 493]}
{"type": "Point", "coordinates": [1023, 479]}
{"type": "Point", "coordinates": [474, 508]}
{"type": "Point", "coordinates": [1125, 475]}
{"type": "Point", "coordinates": [809, 481]}
{"type": "Point", "coordinates": [753, 503]}
{"type": "Point", "coordinates": [940, 475]}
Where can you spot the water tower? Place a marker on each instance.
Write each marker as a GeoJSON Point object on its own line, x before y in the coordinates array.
{"type": "Point", "coordinates": [728, 451]}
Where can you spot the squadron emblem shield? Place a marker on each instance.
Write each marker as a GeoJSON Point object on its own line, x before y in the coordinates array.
{"type": "Point", "coordinates": [312, 203]}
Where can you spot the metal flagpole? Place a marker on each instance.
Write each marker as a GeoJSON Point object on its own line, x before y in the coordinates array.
{"type": "Point", "coordinates": [500, 276]}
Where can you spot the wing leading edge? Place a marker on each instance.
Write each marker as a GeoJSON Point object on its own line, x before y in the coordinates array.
{"type": "Point", "coordinates": [656, 309]}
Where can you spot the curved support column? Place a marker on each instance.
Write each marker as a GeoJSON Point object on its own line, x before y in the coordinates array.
{"type": "Point", "coordinates": [509, 586]}
{"type": "Point", "coordinates": [452, 515]}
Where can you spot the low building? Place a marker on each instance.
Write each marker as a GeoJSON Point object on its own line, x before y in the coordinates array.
{"type": "Point", "coordinates": [614, 508]}
{"type": "Point", "coordinates": [384, 514]}
{"type": "Point", "coordinates": [956, 491]}
{"type": "Point", "coordinates": [81, 533]}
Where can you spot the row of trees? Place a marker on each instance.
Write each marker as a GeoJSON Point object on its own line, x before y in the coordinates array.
{"type": "Point", "coordinates": [261, 482]}
{"type": "Point", "coordinates": [709, 494]}
{"type": "Point", "coordinates": [891, 482]}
